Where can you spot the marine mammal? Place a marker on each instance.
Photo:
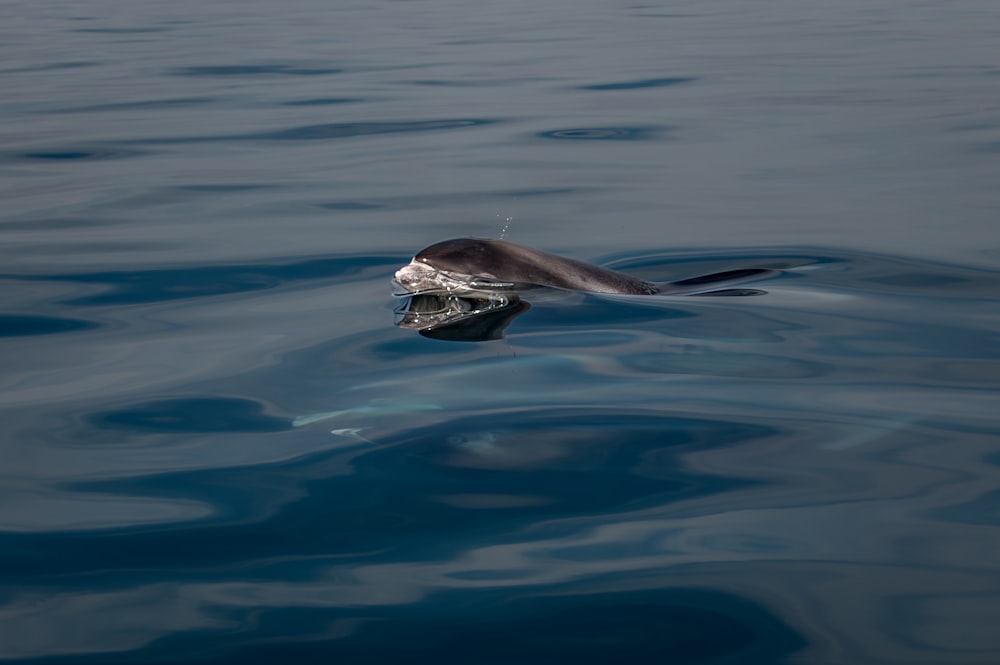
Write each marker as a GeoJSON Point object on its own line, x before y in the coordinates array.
{"type": "Point", "coordinates": [498, 263]}
{"type": "Point", "coordinates": [475, 264]}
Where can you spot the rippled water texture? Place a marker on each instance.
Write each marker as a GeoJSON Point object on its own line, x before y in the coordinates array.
{"type": "Point", "coordinates": [217, 447]}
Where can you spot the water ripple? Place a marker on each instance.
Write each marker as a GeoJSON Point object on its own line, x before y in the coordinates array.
{"type": "Point", "coordinates": [119, 31]}
{"type": "Point", "coordinates": [73, 154]}
{"type": "Point", "coordinates": [192, 414]}
{"type": "Point", "coordinates": [323, 101]}
{"type": "Point", "coordinates": [635, 85]}
{"type": "Point", "coordinates": [140, 105]}
{"type": "Point", "coordinates": [342, 130]}
{"type": "Point", "coordinates": [253, 70]}
{"type": "Point", "coordinates": [449, 198]}
{"type": "Point", "coordinates": [25, 325]}
{"type": "Point", "coordinates": [164, 284]}
{"type": "Point", "coordinates": [600, 134]}
{"type": "Point", "coordinates": [327, 131]}
{"type": "Point", "coordinates": [54, 66]}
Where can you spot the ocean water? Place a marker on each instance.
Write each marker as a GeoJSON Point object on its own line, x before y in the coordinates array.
{"type": "Point", "coordinates": [217, 446]}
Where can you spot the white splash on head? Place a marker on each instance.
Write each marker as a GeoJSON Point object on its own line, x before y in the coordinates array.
{"type": "Point", "coordinates": [418, 277]}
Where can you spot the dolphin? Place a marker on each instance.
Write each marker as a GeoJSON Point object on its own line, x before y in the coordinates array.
{"type": "Point", "coordinates": [475, 264]}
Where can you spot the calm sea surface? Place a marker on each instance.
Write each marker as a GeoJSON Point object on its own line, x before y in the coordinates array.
{"type": "Point", "coordinates": [216, 446]}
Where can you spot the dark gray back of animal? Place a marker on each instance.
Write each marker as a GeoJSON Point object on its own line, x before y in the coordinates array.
{"type": "Point", "coordinates": [508, 262]}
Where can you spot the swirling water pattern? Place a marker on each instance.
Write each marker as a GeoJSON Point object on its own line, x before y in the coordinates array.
{"type": "Point", "coordinates": [217, 448]}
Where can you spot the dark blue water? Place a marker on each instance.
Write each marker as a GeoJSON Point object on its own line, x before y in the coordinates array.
{"type": "Point", "coordinates": [217, 447]}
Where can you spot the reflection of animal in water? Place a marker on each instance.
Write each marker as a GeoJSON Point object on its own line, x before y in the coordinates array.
{"type": "Point", "coordinates": [467, 288]}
